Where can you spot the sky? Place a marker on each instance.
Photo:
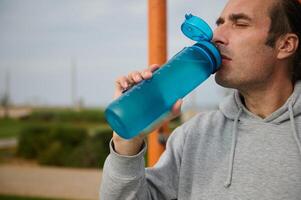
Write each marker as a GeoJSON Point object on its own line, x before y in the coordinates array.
{"type": "Point", "coordinates": [42, 39]}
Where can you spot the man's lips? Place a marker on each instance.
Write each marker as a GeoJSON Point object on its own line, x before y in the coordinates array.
{"type": "Point", "coordinates": [224, 57]}
{"type": "Point", "coordinates": [226, 54]}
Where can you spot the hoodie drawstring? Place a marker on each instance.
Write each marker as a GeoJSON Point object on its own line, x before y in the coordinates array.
{"type": "Point", "coordinates": [293, 125]}
{"type": "Point", "coordinates": [232, 153]}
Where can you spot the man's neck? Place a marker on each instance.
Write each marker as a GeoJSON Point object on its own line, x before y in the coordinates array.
{"type": "Point", "coordinates": [263, 101]}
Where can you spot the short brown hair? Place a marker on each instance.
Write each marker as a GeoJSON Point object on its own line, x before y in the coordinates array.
{"type": "Point", "coordinates": [286, 18]}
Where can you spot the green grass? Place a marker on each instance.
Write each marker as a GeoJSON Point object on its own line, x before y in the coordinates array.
{"type": "Point", "coordinates": [67, 115]}
{"type": "Point", "coordinates": [8, 197]}
{"type": "Point", "coordinates": [89, 119]}
{"type": "Point", "coordinates": [11, 128]}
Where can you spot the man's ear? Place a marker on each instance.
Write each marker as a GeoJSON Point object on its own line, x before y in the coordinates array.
{"type": "Point", "coordinates": [287, 45]}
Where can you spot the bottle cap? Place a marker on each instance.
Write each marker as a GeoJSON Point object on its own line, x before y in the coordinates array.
{"type": "Point", "coordinates": [213, 52]}
{"type": "Point", "coordinates": [196, 29]}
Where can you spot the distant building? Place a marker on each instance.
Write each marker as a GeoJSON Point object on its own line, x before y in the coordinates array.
{"type": "Point", "coordinates": [15, 112]}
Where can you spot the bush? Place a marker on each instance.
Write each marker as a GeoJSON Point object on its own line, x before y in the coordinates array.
{"type": "Point", "coordinates": [69, 136]}
{"type": "Point", "coordinates": [104, 137]}
{"type": "Point", "coordinates": [67, 115]}
{"type": "Point", "coordinates": [53, 154]}
{"type": "Point", "coordinates": [36, 139]}
{"type": "Point", "coordinates": [62, 141]}
{"type": "Point", "coordinates": [32, 140]}
{"type": "Point", "coordinates": [65, 146]}
{"type": "Point", "coordinates": [93, 152]}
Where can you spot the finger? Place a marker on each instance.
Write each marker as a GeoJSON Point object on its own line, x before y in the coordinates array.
{"type": "Point", "coordinates": [118, 88]}
{"type": "Point", "coordinates": [136, 77]}
{"type": "Point", "coordinates": [122, 83]}
{"type": "Point", "coordinates": [130, 79]}
{"type": "Point", "coordinates": [147, 73]}
{"type": "Point", "coordinates": [117, 94]}
{"type": "Point", "coordinates": [154, 67]}
{"type": "Point", "coordinates": [176, 109]}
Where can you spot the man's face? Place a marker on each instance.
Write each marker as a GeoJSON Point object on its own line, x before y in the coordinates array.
{"type": "Point", "coordinates": [241, 33]}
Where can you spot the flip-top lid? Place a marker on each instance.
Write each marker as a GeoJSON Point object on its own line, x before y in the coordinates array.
{"type": "Point", "coordinates": [196, 29]}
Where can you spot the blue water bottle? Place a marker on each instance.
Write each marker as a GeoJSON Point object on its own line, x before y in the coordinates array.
{"type": "Point", "coordinates": [147, 103]}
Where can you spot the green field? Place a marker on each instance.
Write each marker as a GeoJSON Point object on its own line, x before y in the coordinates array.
{"type": "Point", "coordinates": [92, 120]}
{"type": "Point", "coordinates": [11, 127]}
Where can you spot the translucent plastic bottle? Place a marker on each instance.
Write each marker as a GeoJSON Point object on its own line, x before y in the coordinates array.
{"type": "Point", "coordinates": [148, 102]}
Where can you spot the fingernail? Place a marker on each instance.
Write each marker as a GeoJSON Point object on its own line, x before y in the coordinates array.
{"type": "Point", "coordinates": [138, 78]}
{"type": "Point", "coordinates": [147, 73]}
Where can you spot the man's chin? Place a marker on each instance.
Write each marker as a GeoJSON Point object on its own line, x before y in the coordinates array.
{"type": "Point", "coordinates": [222, 81]}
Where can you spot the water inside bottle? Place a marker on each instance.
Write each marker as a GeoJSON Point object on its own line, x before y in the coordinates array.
{"type": "Point", "coordinates": [147, 103]}
{"type": "Point", "coordinates": [184, 75]}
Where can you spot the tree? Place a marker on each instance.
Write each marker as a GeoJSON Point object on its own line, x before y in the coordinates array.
{"type": "Point", "coordinates": [4, 100]}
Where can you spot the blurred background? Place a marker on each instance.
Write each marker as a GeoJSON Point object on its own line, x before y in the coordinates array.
{"type": "Point", "coordinates": [58, 63]}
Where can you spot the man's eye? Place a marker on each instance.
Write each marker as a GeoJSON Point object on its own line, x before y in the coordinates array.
{"type": "Point", "coordinates": [240, 24]}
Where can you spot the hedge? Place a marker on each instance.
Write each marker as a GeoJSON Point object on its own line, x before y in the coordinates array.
{"type": "Point", "coordinates": [67, 115]}
{"type": "Point", "coordinates": [64, 146]}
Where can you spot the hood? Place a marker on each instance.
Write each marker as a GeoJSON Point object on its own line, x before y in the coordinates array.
{"type": "Point", "coordinates": [232, 104]}
{"type": "Point", "coordinates": [233, 109]}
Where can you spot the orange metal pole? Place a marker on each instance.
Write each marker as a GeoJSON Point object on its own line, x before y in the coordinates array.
{"type": "Point", "coordinates": [157, 53]}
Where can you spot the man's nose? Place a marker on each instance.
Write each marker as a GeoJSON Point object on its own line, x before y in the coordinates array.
{"type": "Point", "coordinates": [220, 35]}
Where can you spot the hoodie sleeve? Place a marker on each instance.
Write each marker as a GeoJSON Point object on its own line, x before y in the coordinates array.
{"type": "Point", "coordinates": [125, 177]}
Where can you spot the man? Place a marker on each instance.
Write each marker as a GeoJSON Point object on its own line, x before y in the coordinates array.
{"type": "Point", "coordinates": [249, 148]}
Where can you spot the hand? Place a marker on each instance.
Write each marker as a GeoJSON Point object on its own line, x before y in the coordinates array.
{"type": "Point", "coordinates": [124, 83]}
{"type": "Point", "coordinates": [133, 146]}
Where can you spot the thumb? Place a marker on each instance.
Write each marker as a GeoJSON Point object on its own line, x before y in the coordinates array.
{"type": "Point", "coordinates": [176, 109]}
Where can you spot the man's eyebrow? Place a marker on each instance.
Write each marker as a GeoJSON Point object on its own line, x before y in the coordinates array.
{"type": "Point", "coordinates": [219, 21]}
{"type": "Point", "coordinates": [235, 17]}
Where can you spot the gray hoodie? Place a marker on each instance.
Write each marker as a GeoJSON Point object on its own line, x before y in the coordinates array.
{"type": "Point", "coordinates": [228, 154]}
